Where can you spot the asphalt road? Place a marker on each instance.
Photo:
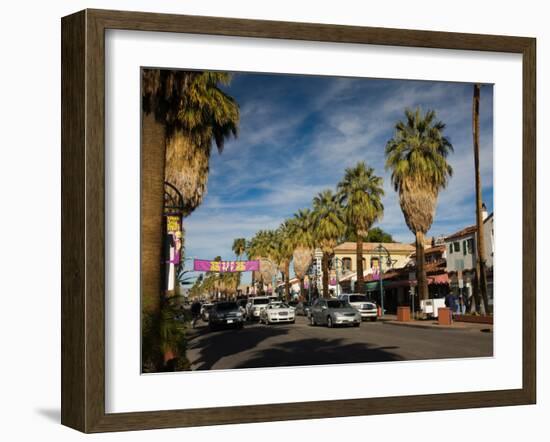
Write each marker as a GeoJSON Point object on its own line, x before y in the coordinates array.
{"type": "Point", "coordinates": [259, 345]}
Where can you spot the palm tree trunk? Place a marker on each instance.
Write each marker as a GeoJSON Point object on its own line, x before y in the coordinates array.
{"type": "Point", "coordinates": [360, 284]}
{"type": "Point", "coordinates": [420, 267]}
{"type": "Point", "coordinates": [302, 289]}
{"type": "Point", "coordinates": [325, 274]}
{"type": "Point", "coordinates": [152, 203]}
{"type": "Point", "coordinates": [287, 280]}
{"type": "Point", "coordinates": [481, 273]}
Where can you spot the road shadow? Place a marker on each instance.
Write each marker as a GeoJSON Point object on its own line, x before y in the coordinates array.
{"type": "Point", "coordinates": [214, 346]}
{"type": "Point", "coordinates": [315, 351]}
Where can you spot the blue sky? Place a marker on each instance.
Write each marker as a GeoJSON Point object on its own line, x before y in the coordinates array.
{"type": "Point", "coordinates": [299, 133]}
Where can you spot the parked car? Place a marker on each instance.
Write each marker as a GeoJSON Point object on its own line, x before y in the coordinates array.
{"type": "Point", "coordinates": [302, 308]}
{"type": "Point", "coordinates": [333, 312]}
{"type": "Point", "coordinates": [225, 313]}
{"type": "Point", "coordinates": [205, 311]}
{"type": "Point", "coordinates": [255, 306]}
{"type": "Point", "coordinates": [277, 312]}
{"type": "Point", "coordinates": [362, 304]}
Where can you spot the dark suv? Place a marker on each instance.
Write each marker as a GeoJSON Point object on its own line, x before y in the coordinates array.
{"type": "Point", "coordinates": [225, 314]}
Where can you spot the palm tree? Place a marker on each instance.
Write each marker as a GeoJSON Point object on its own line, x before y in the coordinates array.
{"type": "Point", "coordinates": [239, 247]}
{"type": "Point", "coordinates": [263, 247]}
{"type": "Point", "coordinates": [301, 238]}
{"type": "Point", "coordinates": [183, 112]}
{"type": "Point", "coordinates": [417, 156]}
{"type": "Point", "coordinates": [328, 228]}
{"type": "Point", "coordinates": [360, 193]}
{"type": "Point", "coordinates": [283, 252]}
{"type": "Point", "coordinates": [481, 264]}
{"type": "Point", "coordinates": [194, 112]}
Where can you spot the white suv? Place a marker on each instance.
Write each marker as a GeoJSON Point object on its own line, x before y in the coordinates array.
{"type": "Point", "coordinates": [361, 303]}
{"type": "Point", "coordinates": [255, 306]}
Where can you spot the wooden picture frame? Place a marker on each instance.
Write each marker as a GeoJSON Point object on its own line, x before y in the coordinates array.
{"type": "Point", "coordinates": [83, 220]}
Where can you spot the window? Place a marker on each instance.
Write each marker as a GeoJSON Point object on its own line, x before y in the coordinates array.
{"type": "Point", "coordinates": [346, 264]}
{"type": "Point", "coordinates": [450, 248]}
{"type": "Point", "coordinates": [456, 246]}
{"type": "Point", "coordinates": [470, 245]}
{"type": "Point", "coordinates": [374, 263]}
{"type": "Point", "coordinates": [334, 303]}
{"type": "Point", "coordinates": [464, 247]}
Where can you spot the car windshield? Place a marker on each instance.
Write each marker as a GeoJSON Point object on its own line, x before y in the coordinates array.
{"type": "Point", "coordinates": [223, 306]}
{"type": "Point", "coordinates": [260, 301]}
{"type": "Point", "coordinates": [337, 304]}
{"type": "Point", "coordinates": [278, 305]}
{"type": "Point", "coordinates": [358, 298]}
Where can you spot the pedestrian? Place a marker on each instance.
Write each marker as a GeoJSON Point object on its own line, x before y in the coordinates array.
{"type": "Point", "coordinates": [461, 305]}
{"type": "Point", "coordinates": [195, 313]}
{"type": "Point", "coordinates": [450, 303]}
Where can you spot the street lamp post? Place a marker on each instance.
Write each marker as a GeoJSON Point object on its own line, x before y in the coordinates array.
{"type": "Point", "coordinates": [381, 249]}
{"type": "Point", "coordinates": [311, 275]}
{"type": "Point", "coordinates": [335, 261]}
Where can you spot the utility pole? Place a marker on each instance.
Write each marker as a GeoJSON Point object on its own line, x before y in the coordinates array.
{"type": "Point", "coordinates": [481, 271]}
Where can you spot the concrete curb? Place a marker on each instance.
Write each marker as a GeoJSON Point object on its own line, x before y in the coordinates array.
{"type": "Point", "coordinates": [433, 326]}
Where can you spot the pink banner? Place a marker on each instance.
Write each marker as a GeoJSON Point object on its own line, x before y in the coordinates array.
{"type": "Point", "coordinates": [204, 265]}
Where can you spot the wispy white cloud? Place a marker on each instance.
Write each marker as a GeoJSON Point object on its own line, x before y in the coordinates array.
{"type": "Point", "coordinates": [299, 134]}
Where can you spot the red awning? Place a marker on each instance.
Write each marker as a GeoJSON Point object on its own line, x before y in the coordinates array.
{"type": "Point", "coordinates": [442, 278]}
{"type": "Point", "coordinates": [396, 284]}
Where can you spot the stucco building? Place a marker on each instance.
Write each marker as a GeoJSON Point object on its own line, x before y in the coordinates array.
{"type": "Point", "coordinates": [461, 250]}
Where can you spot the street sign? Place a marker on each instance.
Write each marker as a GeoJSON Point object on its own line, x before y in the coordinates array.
{"type": "Point", "coordinates": [460, 283]}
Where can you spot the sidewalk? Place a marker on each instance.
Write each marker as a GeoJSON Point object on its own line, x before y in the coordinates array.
{"type": "Point", "coordinates": [432, 324]}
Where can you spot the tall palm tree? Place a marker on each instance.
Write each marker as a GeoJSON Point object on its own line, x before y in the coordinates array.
{"type": "Point", "coordinates": [417, 156]}
{"type": "Point", "coordinates": [301, 237]}
{"type": "Point", "coordinates": [328, 228]}
{"type": "Point", "coordinates": [263, 247]}
{"type": "Point", "coordinates": [360, 194]}
{"type": "Point", "coordinates": [230, 281]}
{"type": "Point", "coordinates": [195, 113]}
{"type": "Point", "coordinates": [239, 247]}
{"type": "Point", "coordinates": [481, 263]}
{"type": "Point", "coordinates": [283, 252]}
{"type": "Point", "coordinates": [183, 112]}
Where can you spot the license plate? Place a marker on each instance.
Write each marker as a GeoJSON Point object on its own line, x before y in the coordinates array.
{"type": "Point", "coordinates": [230, 321]}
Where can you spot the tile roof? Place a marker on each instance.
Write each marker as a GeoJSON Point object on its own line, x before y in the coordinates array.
{"type": "Point", "coordinates": [370, 246]}
{"type": "Point", "coordinates": [468, 230]}
{"type": "Point", "coordinates": [465, 231]}
{"type": "Point", "coordinates": [429, 250]}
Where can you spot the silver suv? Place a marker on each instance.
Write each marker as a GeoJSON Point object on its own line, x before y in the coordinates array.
{"type": "Point", "coordinates": [255, 306]}
{"type": "Point", "coordinates": [362, 304]}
